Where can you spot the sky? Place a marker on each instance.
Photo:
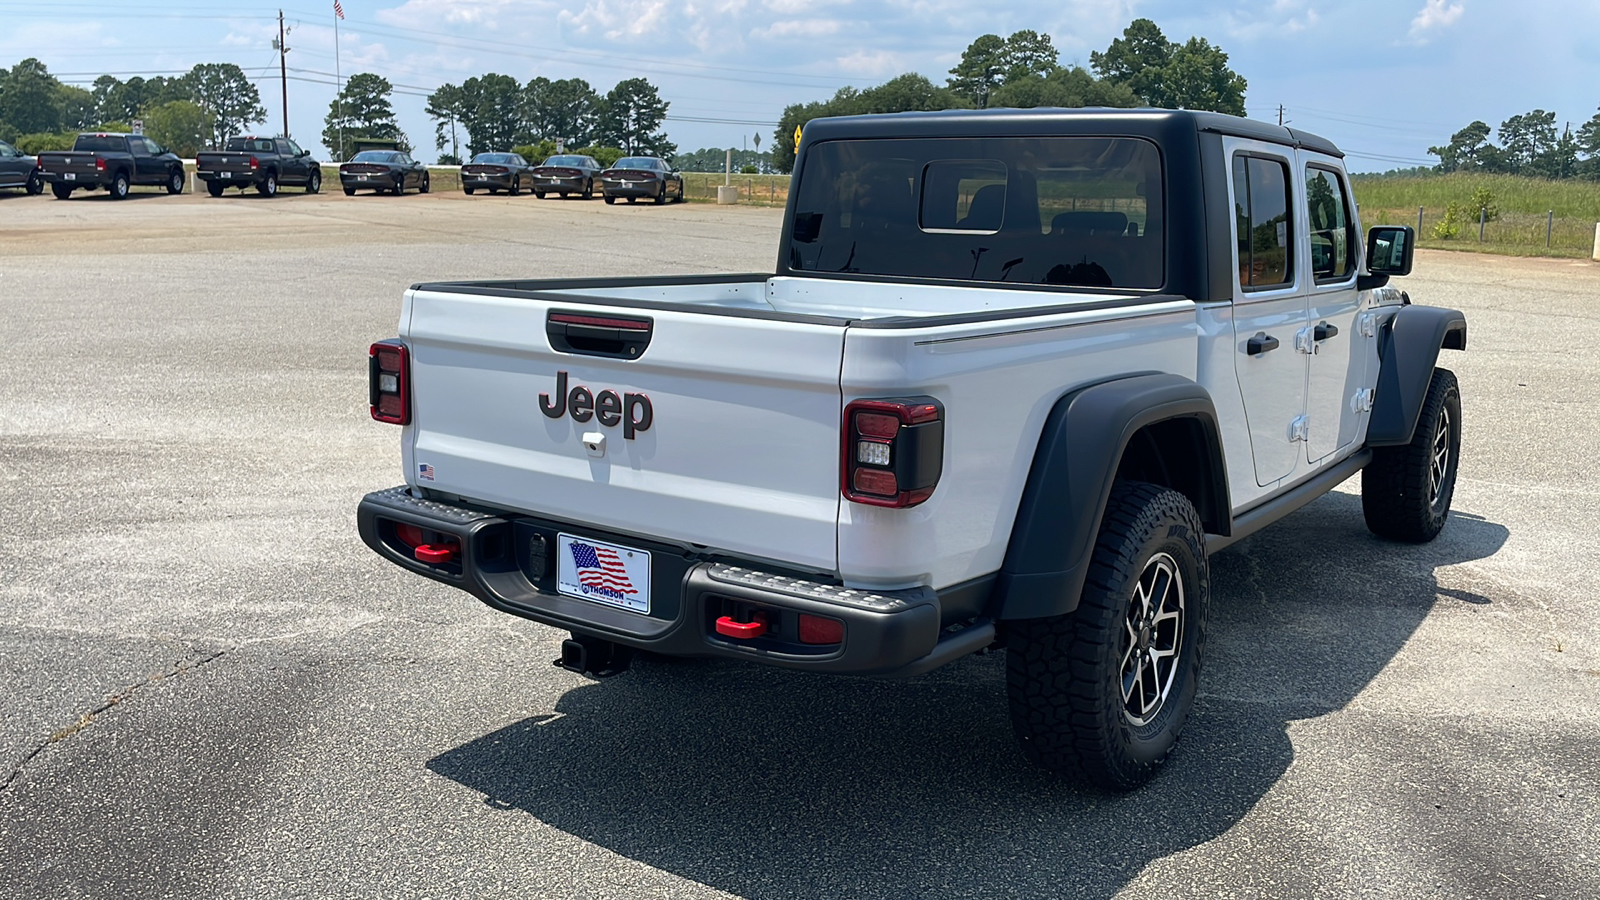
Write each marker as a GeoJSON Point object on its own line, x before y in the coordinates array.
{"type": "Point", "coordinates": [1383, 79]}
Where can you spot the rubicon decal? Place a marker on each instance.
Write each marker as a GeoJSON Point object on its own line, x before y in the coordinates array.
{"type": "Point", "coordinates": [632, 411]}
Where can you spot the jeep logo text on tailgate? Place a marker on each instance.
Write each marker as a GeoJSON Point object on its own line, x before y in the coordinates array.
{"type": "Point", "coordinates": [632, 411]}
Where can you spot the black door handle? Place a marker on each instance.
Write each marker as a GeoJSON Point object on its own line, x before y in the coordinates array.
{"type": "Point", "coordinates": [1324, 331]}
{"type": "Point", "coordinates": [1260, 343]}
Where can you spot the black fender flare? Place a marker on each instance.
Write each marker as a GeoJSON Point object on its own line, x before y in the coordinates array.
{"type": "Point", "coordinates": [1080, 449]}
{"type": "Point", "coordinates": [1408, 350]}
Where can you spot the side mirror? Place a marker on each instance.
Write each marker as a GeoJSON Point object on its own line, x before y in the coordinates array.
{"type": "Point", "coordinates": [304, 152]}
{"type": "Point", "coordinates": [1390, 249]}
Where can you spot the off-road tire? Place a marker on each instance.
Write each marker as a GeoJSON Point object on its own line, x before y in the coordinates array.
{"type": "Point", "coordinates": [268, 187]}
{"type": "Point", "coordinates": [61, 191]}
{"type": "Point", "coordinates": [119, 186]}
{"type": "Point", "coordinates": [175, 182]}
{"type": "Point", "coordinates": [1404, 496]}
{"type": "Point", "coordinates": [214, 188]}
{"type": "Point", "coordinates": [1065, 674]}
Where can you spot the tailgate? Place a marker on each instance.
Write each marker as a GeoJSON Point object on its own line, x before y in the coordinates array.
{"type": "Point", "coordinates": [80, 164]}
{"type": "Point", "coordinates": [742, 450]}
{"type": "Point", "coordinates": [235, 163]}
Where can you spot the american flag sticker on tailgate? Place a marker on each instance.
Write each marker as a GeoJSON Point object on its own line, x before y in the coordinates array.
{"type": "Point", "coordinates": [604, 573]}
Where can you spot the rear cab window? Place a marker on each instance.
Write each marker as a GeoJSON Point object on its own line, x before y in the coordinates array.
{"type": "Point", "coordinates": [1070, 211]}
{"type": "Point", "coordinates": [100, 143]}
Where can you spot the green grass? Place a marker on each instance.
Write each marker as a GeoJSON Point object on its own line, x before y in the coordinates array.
{"type": "Point", "coordinates": [1520, 229]}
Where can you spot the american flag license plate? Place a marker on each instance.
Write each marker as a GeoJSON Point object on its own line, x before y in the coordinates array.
{"type": "Point", "coordinates": [603, 573]}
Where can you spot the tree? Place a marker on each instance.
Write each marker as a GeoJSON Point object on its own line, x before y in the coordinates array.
{"type": "Point", "coordinates": [566, 109]}
{"type": "Point", "coordinates": [1139, 60]}
{"type": "Point", "coordinates": [982, 69]}
{"type": "Point", "coordinates": [30, 98]}
{"type": "Point", "coordinates": [77, 108]}
{"type": "Point", "coordinates": [1468, 149]}
{"type": "Point", "coordinates": [230, 101]}
{"type": "Point", "coordinates": [127, 100]}
{"type": "Point", "coordinates": [1527, 138]}
{"type": "Point", "coordinates": [629, 117]}
{"type": "Point", "coordinates": [447, 107]}
{"type": "Point", "coordinates": [492, 113]}
{"type": "Point", "coordinates": [907, 93]}
{"type": "Point", "coordinates": [1071, 87]}
{"type": "Point", "coordinates": [362, 109]}
{"type": "Point", "coordinates": [1030, 53]}
{"type": "Point", "coordinates": [1198, 77]}
{"type": "Point", "coordinates": [1192, 75]}
{"type": "Point", "coordinates": [178, 125]}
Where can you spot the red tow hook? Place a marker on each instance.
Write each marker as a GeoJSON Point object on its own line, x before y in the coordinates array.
{"type": "Point", "coordinates": [434, 554]}
{"type": "Point", "coordinates": [727, 627]}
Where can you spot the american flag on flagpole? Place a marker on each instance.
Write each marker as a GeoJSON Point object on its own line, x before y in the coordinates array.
{"type": "Point", "coordinates": [338, 9]}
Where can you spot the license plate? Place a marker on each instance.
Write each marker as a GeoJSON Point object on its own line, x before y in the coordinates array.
{"type": "Point", "coordinates": [362, 177]}
{"type": "Point", "coordinates": [603, 573]}
{"type": "Point", "coordinates": [71, 176]}
{"type": "Point", "coordinates": [225, 174]}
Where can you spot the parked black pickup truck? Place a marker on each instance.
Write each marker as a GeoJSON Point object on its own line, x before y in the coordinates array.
{"type": "Point", "coordinates": [114, 162]}
{"type": "Point", "coordinates": [261, 163]}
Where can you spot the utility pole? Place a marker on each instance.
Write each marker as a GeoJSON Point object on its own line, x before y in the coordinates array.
{"type": "Point", "coordinates": [1280, 115]}
{"type": "Point", "coordinates": [283, 71]}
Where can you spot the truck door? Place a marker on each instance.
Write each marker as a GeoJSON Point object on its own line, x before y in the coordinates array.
{"type": "Point", "coordinates": [143, 162]}
{"type": "Point", "coordinates": [1269, 306]}
{"type": "Point", "coordinates": [1339, 359]}
{"type": "Point", "coordinates": [293, 165]}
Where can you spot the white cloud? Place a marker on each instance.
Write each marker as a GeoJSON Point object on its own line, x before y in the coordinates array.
{"type": "Point", "coordinates": [871, 63]}
{"type": "Point", "coordinates": [1274, 20]}
{"type": "Point", "coordinates": [785, 29]}
{"type": "Point", "coordinates": [1433, 15]}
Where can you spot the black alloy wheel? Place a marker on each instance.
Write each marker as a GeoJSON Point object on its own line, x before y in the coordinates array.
{"type": "Point", "coordinates": [1406, 491]}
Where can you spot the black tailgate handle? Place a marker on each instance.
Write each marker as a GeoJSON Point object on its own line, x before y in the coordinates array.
{"type": "Point", "coordinates": [586, 334]}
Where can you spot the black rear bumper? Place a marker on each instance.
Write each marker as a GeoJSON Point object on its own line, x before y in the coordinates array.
{"type": "Point", "coordinates": [507, 561]}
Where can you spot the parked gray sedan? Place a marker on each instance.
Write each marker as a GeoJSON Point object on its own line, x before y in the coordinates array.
{"type": "Point", "coordinates": [568, 174]}
{"type": "Point", "coordinates": [19, 170]}
{"type": "Point", "coordinates": [496, 172]}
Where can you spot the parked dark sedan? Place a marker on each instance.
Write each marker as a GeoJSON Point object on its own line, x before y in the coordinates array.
{"type": "Point", "coordinates": [19, 170]}
{"type": "Point", "coordinates": [383, 170]}
{"type": "Point", "coordinates": [641, 176]}
{"type": "Point", "coordinates": [496, 172]}
{"type": "Point", "coordinates": [565, 175]}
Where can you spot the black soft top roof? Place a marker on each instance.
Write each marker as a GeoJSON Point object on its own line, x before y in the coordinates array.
{"type": "Point", "coordinates": [1147, 122]}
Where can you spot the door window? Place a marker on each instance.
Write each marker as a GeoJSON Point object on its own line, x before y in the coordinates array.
{"type": "Point", "coordinates": [138, 147]}
{"type": "Point", "coordinates": [1265, 226]}
{"type": "Point", "coordinates": [1331, 226]}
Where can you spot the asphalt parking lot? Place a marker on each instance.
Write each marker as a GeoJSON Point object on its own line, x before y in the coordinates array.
{"type": "Point", "coordinates": [210, 688]}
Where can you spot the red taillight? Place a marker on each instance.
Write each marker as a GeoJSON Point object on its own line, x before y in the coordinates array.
{"type": "Point", "coordinates": [99, 164]}
{"type": "Point", "coordinates": [820, 630]}
{"type": "Point", "coordinates": [893, 451]}
{"type": "Point", "coordinates": [255, 163]}
{"type": "Point", "coordinates": [389, 382]}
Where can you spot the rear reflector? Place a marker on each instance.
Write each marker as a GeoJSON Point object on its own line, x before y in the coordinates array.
{"type": "Point", "coordinates": [389, 382]}
{"type": "Point", "coordinates": [820, 630]}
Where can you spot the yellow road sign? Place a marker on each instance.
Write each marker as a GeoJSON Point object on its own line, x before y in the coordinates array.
{"type": "Point", "coordinates": [797, 138]}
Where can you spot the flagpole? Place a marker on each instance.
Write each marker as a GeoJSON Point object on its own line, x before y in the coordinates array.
{"type": "Point", "coordinates": [338, 79]}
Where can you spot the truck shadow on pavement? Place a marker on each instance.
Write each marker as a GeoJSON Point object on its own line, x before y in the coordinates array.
{"type": "Point", "coordinates": [766, 783]}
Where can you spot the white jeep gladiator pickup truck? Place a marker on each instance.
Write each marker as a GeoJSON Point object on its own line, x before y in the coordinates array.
{"type": "Point", "coordinates": [1017, 373]}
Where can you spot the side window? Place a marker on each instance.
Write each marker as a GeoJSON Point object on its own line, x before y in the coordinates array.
{"type": "Point", "coordinates": [6, 151]}
{"type": "Point", "coordinates": [138, 147]}
{"type": "Point", "coordinates": [1266, 229]}
{"type": "Point", "coordinates": [1330, 225]}
{"type": "Point", "coordinates": [154, 148]}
